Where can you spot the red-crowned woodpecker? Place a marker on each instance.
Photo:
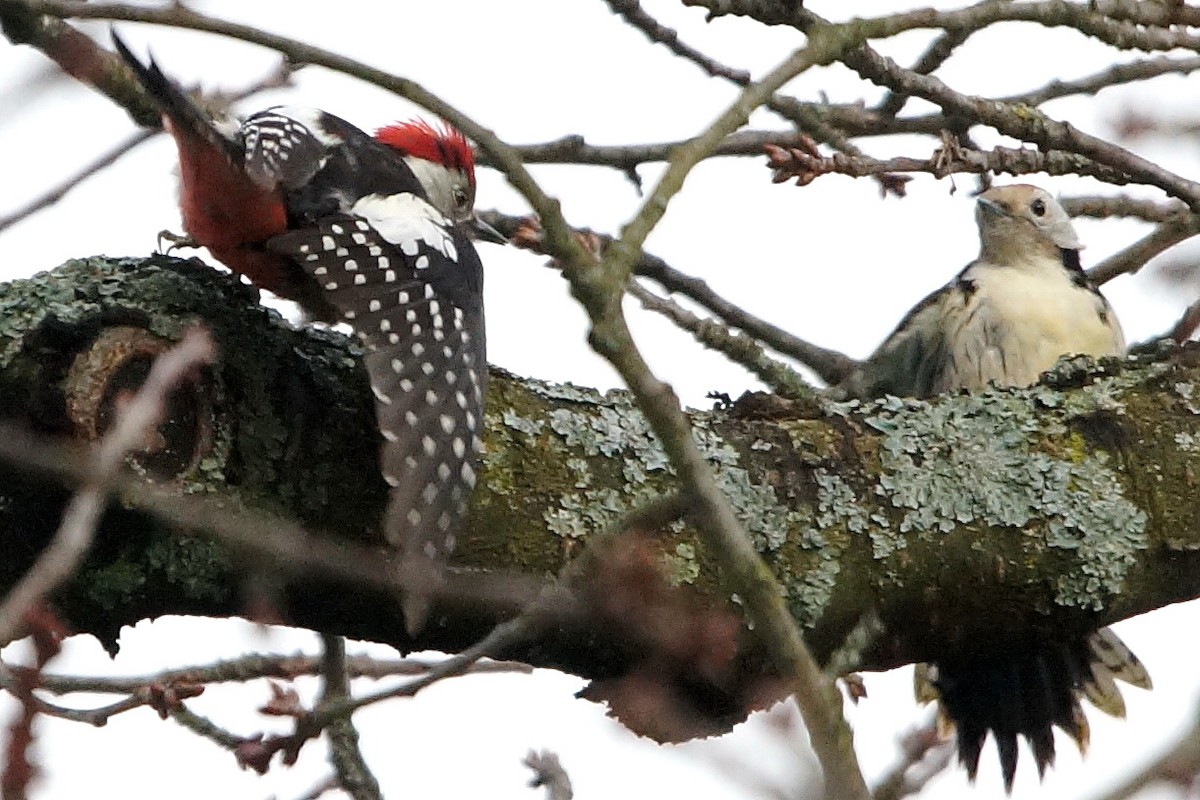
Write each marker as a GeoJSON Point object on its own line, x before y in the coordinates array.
{"type": "Point", "coordinates": [1004, 320]}
{"type": "Point", "coordinates": [371, 231]}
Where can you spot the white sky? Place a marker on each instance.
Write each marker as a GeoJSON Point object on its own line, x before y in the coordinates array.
{"type": "Point", "coordinates": [831, 262]}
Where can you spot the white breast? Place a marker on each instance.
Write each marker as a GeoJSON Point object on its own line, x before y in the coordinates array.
{"type": "Point", "coordinates": [1022, 319]}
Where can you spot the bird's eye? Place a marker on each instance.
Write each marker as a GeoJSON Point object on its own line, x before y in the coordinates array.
{"type": "Point", "coordinates": [1038, 208]}
{"type": "Point", "coordinates": [460, 197]}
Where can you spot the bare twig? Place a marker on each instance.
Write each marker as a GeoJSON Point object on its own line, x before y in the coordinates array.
{"type": "Point", "coordinates": [1161, 13]}
{"type": "Point", "coordinates": [1108, 206]}
{"type": "Point", "coordinates": [934, 56]}
{"type": "Point", "coordinates": [354, 776]}
{"type": "Point", "coordinates": [829, 365]}
{"type": "Point", "coordinates": [1187, 324]}
{"type": "Point", "coordinates": [1170, 233]}
{"type": "Point", "coordinates": [923, 755]}
{"type": "Point", "coordinates": [280, 76]}
{"type": "Point", "coordinates": [283, 542]}
{"type": "Point", "coordinates": [206, 728]}
{"type": "Point", "coordinates": [576, 150]}
{"type": "Point", "coordinates": [1179, 766]}
{"type": "Point", "coordinates": [632, 12]}
{"type": "Point", "coordinates": [805, 165]}
{"type": "Point", "coordinates": [59, 191]}
{"type": "Point", "coordinates": [161, 697]}
{"type": "Point", "coordinates": [548, 772]}
{"type": "Point", "coordinates": [737, 347]}
{"type": "Point", "coordinates": [133, 423]}
{"type": "Point", "coordinates": [246, 668]}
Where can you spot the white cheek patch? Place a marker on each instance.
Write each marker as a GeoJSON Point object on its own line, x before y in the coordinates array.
{"type": "Point", "coordinates": [408, 222]}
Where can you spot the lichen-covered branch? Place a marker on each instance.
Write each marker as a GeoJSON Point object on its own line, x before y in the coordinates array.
{"type": "Point", "coordinates": [1058, 507]}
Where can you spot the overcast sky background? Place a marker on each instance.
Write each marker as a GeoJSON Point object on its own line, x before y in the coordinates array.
{"type": "Point", "coordinates": [832, 262]}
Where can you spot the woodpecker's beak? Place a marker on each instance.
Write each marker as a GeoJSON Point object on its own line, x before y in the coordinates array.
{"type": "Point", "coordinates": [484, 232]}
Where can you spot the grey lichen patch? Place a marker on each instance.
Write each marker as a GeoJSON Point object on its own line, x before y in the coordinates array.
{"type": "Point", "coordinates": [970, 461]}
{"type": "Point", "coordinates": [564, 391]}
{"type": "Point", "coordinates": [1187, 391]}
{"type": "Point", "coordinates": [1087, 514]}
{"type": "Point", "coordinates": [611, 429]}
{"type": "Point", "coordinates": [582, 472]}
{"type": "Point", "coordinates": [837, 505]}
{"type": "Point", "coordinates": [568, 524]}
{"type": "Point", "coordinates": [682, 565]}
{"type": "Point", "coordinates": [810, 593]}
{"type": "Point", "coordinates": [1187, 442]}
{"type": "Point", "coordinates": [525, 425]}
{"type": "Point", "coordinates": [766, 519]}
{"type": "Point", "coordinates": [711, 444]}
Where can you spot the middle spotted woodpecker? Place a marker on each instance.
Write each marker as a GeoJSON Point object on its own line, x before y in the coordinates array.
{"type": "Point", "coordinates": [1004, 320]}
{"type": "Point", "coordinates": [372, 231]}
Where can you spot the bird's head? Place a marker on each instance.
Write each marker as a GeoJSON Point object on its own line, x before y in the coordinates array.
{"type": "Point", "coordinates": [1020, 219]}
{"type": "Point", "coordinates": [442, 160]}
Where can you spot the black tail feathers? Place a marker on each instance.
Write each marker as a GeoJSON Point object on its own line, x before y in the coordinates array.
{"type": "Point", "coordinates": [187, 118]}
{"type": "Point", "coordinates": [1027, 692]}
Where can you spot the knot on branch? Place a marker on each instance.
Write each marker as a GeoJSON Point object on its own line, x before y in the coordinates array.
{"type": "Point", "coordinates": [115, 364]}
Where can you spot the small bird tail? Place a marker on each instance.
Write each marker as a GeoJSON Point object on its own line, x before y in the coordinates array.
{"type": "Point", "coordinates": [1026, 692]}
{"type": "Point", "coordinates": [185, 116]}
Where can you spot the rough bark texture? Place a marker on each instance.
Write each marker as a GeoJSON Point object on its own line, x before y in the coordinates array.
{"type": "Point", "coordinates": [958, 523]}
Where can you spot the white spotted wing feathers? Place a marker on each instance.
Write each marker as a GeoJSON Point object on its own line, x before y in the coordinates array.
{"type": "Point", "coordinates": [410, 284]}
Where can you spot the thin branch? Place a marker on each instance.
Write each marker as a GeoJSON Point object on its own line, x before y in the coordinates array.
{"type": "Point", "coordinates": [829, 365]}
{"type": "Point", "coordinates": [354, 776]}
{"type": "Point", "coordinates": [1178, 766]}
{"type": "Point", "coordinates": [246, 668]}
{"type": "Point", "coordinates": [134, 420]}
{"type": "Point", "coordinates": [1161, 13]}
{"type": "Point", "coordinates": [206, 728]}
{"type": "Point", "coordinates": [59, 191]}
{"type": "Point", "coordinates": [548, 772]}
{"type": "Point", "coordinates": [575, 149]}
{"type": "Point", "coordinates": [805, 165]}
{"type": "Point", "coordinates": [934, 56]}
{"type": "Point", "coordinates": [164, 699]}
{"type": "Point", "coordinates": [610, 337]}
{"type": "Point", "coordinates": [1187, 324]}
{"type": "Point", "coordinates": [281, 541]}
{"type": "Point", "coordinates": [1115, 75]}
{"type": "Point", "coordinates": [739, 348]}
{"type": "Point", "coordinates": [1128, 261]}
{"type": "Point", "coordinates": [632, 12]}
{"type": "Point", "coordinates": [280, 76]}
{"type": "Point", "coordinates": [1121, 205]}
{"type": "Point", "coordinates": [923, 755]}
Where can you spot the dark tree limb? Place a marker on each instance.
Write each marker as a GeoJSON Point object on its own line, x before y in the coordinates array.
{"type": "Point", "coordinates": [1057, 508]}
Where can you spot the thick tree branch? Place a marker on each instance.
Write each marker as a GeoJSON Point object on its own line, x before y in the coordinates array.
{"type": "Point", "coordinates": [1042, 500]}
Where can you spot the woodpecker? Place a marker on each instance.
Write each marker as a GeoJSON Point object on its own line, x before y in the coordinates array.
{"type": "Point", "coordinates": [1004, 320]}
{"type": "Point", "coordinates": [371, 231]}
